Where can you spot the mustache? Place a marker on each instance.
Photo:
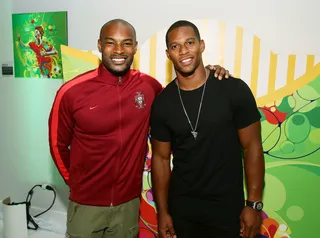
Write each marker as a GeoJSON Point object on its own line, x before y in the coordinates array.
{"type": "Point", "coordinates": [119, 56]}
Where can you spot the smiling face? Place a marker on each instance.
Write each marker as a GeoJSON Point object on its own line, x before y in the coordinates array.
{"type": "Point", "coordinates": [118, 46]}
{"type": "Point", "coordinates": [184, 50]}
{"type": "Point", "coordinates": [38, 33]}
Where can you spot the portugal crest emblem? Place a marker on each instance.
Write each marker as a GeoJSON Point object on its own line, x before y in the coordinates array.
{"type": "Point", "coordinates": [139, 100]}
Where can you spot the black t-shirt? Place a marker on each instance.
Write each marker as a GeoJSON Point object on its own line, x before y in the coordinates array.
{"type": "Point", "coordinates": [207, 171]}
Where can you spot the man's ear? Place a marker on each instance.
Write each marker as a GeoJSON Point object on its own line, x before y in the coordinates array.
{"type": "Point", "coordinates": [99, 46]}
{"type": "Point", "coordinates": [202, 46]}
{"type": "Point", "coordinates": [167, 53]}
{"type": "Point", "coordinates": [135, 47]}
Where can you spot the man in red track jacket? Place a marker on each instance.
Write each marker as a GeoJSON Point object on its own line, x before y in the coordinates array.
{"type": "Point", "coordinates": [98, 129]}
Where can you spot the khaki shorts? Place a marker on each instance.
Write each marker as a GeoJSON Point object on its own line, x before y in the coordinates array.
{"type": "Point", "coordinates": [103, 222]}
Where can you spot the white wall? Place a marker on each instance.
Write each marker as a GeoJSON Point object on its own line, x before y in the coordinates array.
{"type": "Point", "coordinates": [286, 26]}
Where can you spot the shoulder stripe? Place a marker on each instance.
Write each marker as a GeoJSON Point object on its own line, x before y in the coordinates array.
{"type": "Point", "coordinates": [55, 118]}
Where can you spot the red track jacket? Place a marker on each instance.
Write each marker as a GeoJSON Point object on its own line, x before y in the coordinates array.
{"type": "Point", "coordinates": [98, 129]}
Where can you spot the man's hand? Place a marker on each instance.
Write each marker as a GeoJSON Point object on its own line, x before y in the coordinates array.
{"type": "Point", "coordinates": [250, 222]}
{"type": "Point", "coordinates": [165, 226]}
{"type": "Point", "coordinates": [220, 72]}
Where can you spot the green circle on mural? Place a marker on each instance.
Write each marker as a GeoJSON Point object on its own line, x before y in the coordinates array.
{"type": "Point", "coordinates": [274, 186]}
{"type": "Point", "coordinates": [315, 136]}
{"type": "Point", "coordinates": [297, 128]}
{"type": "Point", "coordinates": [286, 104]}
{"type": "Point", "coordinates": [287, 147]}
{"type": "Point", "coordinates": [301, 207]}
{"type": "Point", "coordinates": [295, 213]}
{"type": "Point", "coordinates": [308, 92]}
{"type": "Point", "coordinates": [314, 117]}
{"type": "Point", "coordinates": [291, 101]}
{"type": "Point", "coordinates": [298, 120]}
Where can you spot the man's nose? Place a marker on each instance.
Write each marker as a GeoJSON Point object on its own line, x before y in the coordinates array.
{"type": "Point", "coordinates": [183, 50]}
{"type": "Point", "coordinates": [118, 49]}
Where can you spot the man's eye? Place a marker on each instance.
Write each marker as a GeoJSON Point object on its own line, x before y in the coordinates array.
{"type": "Point", "coordinates": [190, 42]}
{"type": "Point", "coordinates": [127, 44]}
{"type": "Point", "coordinates": [109, 43]}
{"type": "Point", "coordinates": [173, 47]}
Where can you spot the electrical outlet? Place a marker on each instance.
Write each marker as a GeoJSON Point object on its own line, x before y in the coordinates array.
{"type": "Point", "coordinates": [7, 70]}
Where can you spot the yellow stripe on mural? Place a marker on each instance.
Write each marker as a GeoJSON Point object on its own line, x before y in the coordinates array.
{"type": "Point", "coordinates": [136, 61]}
{"type": "Point", "coordinates": [310, 62]}
{"type": "Point", "coordinates": [290, 86]}
{"type": "Point", "coordinates": [83, 55]}
{"type": "Point", "coordinates": [153, 54]}
{"type": "Point", "coordinates": [238, 53]}
{"type": "Point", "coordinates": [291, 67]}
{"type": "Point", "coordinates": [204, 26]}
{"type": "Point", "coordinates": [255, 65]}
{"type": "Point", "coordinates": [168, 71]}
{"type": "Point", "coordinates": [272, 72]}
{"type": "Point", "coordinates": [222, 41]}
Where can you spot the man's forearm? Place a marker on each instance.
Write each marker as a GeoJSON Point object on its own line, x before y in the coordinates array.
{"type": "Point", "coordinates": [59, 143]}
{"type": "Point", "coordinates": [254, 171]}
{"type": "Point", "coordinates": [22, 44]}
{"type": "Point", "coordinates": [61, 158]}
{"type": "Point", "coordinates": [52, 52]}
{"type": "Point", "coordinates": [160, 175]}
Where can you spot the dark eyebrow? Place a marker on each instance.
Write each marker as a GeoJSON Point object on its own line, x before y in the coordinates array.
{"type": "Point", "coordinates": [190, 38]}
{"type": "Point", "coordinates": [110, 38]}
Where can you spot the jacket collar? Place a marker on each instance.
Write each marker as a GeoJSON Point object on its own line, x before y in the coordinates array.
{"type": "Point", "coordinates": [109, 78]}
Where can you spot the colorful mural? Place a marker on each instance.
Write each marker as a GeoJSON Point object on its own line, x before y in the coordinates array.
{"type": "Point", "coordinates": [287, 90]}
{"type": "Point", "coordinates": [291, 142]}
{"type": "Point", "coordinates": [37, 38]}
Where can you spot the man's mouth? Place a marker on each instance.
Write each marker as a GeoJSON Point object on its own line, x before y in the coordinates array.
{"type": "Point", "coordinates": [186, 61]}
{"type": "Point", "coordinates": [118, 60]}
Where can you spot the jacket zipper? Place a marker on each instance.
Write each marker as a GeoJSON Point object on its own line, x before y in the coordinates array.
{"type": "Point", "coordinates": [120, 115]}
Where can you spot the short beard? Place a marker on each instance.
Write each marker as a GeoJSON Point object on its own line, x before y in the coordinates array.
{"type": "Point", "coordinates": [186, 74]}
{"type": "Point", "coordinates": [190, 72]}
{"type": "Point", "coordinates": [118, 73]}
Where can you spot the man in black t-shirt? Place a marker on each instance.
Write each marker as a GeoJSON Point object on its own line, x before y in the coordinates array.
{"type": "Point", "coordinates": [208, 125]}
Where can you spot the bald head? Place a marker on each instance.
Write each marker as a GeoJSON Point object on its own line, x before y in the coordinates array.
{"type": "Point", "coordinates": [118, 21]}
{"type": "Point", "coordinates": [118, 45]}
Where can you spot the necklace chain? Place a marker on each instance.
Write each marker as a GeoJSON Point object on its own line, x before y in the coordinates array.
{"type": "Point", "coordinates": [193, 130]}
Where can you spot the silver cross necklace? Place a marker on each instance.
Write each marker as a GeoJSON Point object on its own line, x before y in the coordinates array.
{"type": "Point", "coordinates": [193, 129]}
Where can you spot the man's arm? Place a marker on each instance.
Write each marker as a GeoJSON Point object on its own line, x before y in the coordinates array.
{"type": "Point", "coordinates": [21, 43]}
{"type": "Point", "coordinates": [50, 51]}
{"type": "Point", "coordinates": [250, 138]}
{"type": "Point", "coordinates": [247, 120]}
{"type": "Point", "coordinates": [61, 125]}
{"type": "Point", "coordinates": [160, 166]}
{"type": "Point", "coordinates": [160, 173]}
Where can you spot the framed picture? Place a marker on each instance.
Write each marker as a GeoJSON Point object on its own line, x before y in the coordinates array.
{"type": "Point", "coordinates": [36, 43]}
